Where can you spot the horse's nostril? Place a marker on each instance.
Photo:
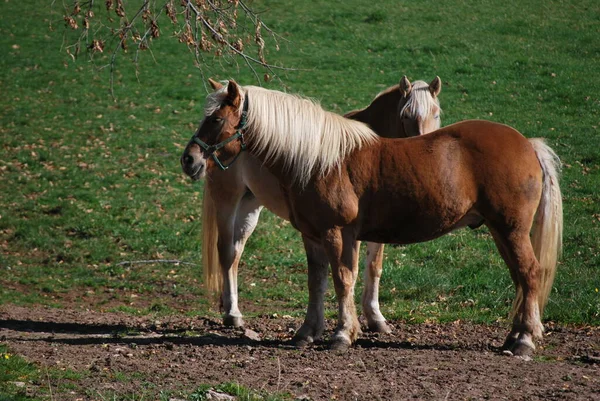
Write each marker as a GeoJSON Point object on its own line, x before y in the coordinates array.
{"type": "Point", "coordinates": [188, 159]}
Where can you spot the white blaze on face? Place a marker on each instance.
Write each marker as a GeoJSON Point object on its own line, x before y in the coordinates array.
{"type": "Point", "coordinates": [431, 123]}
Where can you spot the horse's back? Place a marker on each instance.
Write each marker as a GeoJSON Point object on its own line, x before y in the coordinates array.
{"type": "Point", "coordinates": [480, 145]}
{"type": "Point", "coordinates": [489, 145]}
{"type": "Point", "coordinates": [497, 160]}
{"type": "Point", "coordinates": [482, 133]}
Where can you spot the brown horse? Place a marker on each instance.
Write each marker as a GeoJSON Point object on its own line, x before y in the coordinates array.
{"type": "Point", "coordinates": [345, 184]}
{"type": "Point", "coordinates": [234, 198]}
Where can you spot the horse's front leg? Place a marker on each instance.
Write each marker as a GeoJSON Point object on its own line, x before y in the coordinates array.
{"type": "Point", "coordinates": [342, 250]}
{"type": "Point", "coordinates": [370, 298]}
{"type": "Point", "coordinates": [234, 230]}
{"type": "Point", "coordinates": [314, 322]}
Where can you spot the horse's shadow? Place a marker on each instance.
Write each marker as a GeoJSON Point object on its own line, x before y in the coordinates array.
{"type": "Point", "coordinates": [93, 333]}
{"type": "Point", "coordinates": [407, 345]}
{"type": "Point", "coordinates": [97, 334]}
{"type": "Point", "coordinates": [54, 327]}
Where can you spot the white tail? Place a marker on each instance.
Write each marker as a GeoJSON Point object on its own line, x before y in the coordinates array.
{"type": "Point", "coordinates": [547, 231]}
{"type": "Point", "coordinates": [213, 278]}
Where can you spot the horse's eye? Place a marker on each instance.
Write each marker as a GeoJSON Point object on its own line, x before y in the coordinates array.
{"type": "Point", "coordinates": [437, 116]}
{"type": "Point", "coordinates": [217, 120]}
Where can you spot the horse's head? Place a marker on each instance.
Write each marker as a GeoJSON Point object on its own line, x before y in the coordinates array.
{"type": "Point", "coordinates": [419, 107]}
{"type": "Point", "coordinates": [219, 139]}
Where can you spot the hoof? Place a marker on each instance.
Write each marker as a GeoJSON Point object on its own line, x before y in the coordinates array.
{"type": "Point", "coordinates": [523, 349]}
{"type": "Point", "coordinates": [233, 321]}
{"type": "Point", "coordinates": [508, 344]}
{"type": "Point", "coordinates": [307, 334]}
{"type": "Point", "coordinates": [340, 345]}
{"type": "Point", "coordinates": [510, 341]}
{"type": "Point", "coordinates": [301, 341]}
{"type": "Point", "coordinates": [379, 327]}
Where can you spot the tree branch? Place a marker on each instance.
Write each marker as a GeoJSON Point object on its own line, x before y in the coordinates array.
{"type": "Point", "coordinates": [207, 27]}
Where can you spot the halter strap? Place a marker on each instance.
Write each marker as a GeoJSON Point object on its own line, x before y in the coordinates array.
{"type": "Point", "coordinates": [211, 149]}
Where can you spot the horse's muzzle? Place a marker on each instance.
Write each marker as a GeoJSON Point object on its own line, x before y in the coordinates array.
{"type": "Point", "coordinates": [195, 169]}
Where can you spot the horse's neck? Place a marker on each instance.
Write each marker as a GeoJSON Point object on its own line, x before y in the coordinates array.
{"type": "Point", "coordinates": [230, 189]}
{"type": "Point", "coordinates": [265, 186]}
{"type": "Point", "coordinates": [382, 116]}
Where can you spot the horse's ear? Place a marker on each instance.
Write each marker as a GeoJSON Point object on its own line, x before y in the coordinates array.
{"type": "Point", "coordinates": [215, 84]}
{"type": "Point", "coordinates": [435, 87]}
{"type": "Point", "coordinates": [233, 94]}
{"type": "Point", "coordinates": [405, 86]}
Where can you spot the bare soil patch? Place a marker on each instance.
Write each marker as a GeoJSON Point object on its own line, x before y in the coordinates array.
{"type": "Point", "coordinates": [453, 361]}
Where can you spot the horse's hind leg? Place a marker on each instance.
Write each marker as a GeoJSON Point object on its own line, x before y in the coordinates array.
{"type": "Point", "coordinates": [517, 251]}
{"type": "Point", "coordinates": [342, 251]}
{"type": "Point", "coordinates": [234, 230]}
{"type": "Point", "coordinates": [513, 336]}
{"type": "Point", "coordinates": [370, 298]}
{"type": "Point", "coordinates": [314, 322]}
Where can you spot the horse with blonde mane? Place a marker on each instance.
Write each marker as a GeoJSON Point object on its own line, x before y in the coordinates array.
{"type": "Point", "coordinates": [235, 196]}
{"type": "Point", "coordinates": [342, 183]}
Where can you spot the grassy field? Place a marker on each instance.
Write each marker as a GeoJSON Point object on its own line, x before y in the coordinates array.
{"type": "Point", "coordinates": [88, 182]}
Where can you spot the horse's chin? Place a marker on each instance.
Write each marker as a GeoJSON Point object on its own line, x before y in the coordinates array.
{"type": "Point", "coordinates": [198, 176]}
{"type": "Point", "coordinates": [197, 173]}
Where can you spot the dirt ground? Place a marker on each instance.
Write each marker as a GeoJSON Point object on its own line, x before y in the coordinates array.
{"type": "Point", "coordinates": [453, 361]}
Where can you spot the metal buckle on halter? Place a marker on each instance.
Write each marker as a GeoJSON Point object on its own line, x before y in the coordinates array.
{"type": "Point", "coordinates": [211, 149]}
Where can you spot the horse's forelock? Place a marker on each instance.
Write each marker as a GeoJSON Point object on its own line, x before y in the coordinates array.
{"type": "Point", "coordinates": [216, 99]}
{"type": "Point", "coordinates": [420, 103]}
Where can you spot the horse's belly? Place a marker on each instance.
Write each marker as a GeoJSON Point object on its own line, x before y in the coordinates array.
{"type": "Point", "coordinates": [416, 228]}
{"type": "Point", "coordinates": [400, 235]}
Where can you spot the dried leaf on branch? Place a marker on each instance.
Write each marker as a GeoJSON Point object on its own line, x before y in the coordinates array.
{"type": "Point", "coordinates": [209, 28]}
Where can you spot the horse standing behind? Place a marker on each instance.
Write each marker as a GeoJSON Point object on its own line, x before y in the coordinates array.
{"type": "Point", "coordinates": [234, 198]}
{"type": "Point", "coordinates": [345, 184]}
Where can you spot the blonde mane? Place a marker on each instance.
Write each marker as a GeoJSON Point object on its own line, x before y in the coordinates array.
{"type": "Point", "coordinates": [296, 131]}
{"type": "Point", "coordinates": [420, 102]}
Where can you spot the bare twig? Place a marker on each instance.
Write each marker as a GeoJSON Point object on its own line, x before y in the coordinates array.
{"type": "Point", "coordinates": [49, 385]}
{"type": "Point", "coordinates": [278, 373]}
{"type": "Point", "coordinates": [212, 28]}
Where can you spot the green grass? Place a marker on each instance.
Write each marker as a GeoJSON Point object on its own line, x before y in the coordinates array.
{"type": "Point", "coordinates": [18, 375]}
{"type": "Point", "coordinates": [241, 393]}
{"type": "Point", "coordinates": [87, 182]}
{"type": "Point", "coordinates": [14, 370]}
